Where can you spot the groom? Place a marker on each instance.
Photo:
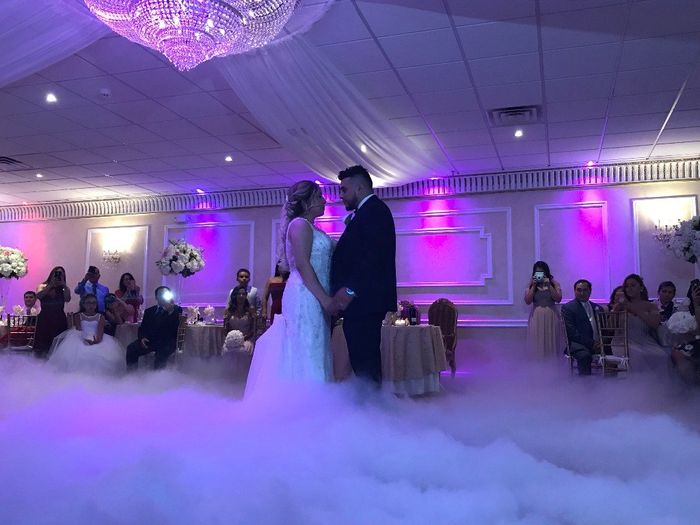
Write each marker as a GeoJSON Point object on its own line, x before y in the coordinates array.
{"type": "Point", "coordinates": [363, 271]}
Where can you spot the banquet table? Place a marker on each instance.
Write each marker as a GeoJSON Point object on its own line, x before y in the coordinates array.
{"type": "Point", "coordinates": [412, 359]}
{"type": "Point", "coordinates": [201, 340]}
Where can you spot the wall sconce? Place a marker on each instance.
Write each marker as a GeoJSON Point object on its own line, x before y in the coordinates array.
{"type": "Point", "coordinates": [111, 256]}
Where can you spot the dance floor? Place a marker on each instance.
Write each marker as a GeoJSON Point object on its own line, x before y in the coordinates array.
{"type": "Point", "coordinates": [504, 444]}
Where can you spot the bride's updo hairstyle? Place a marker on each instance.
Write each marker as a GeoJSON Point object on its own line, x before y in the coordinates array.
{"type": "Point", "coordinates": [298, 196]}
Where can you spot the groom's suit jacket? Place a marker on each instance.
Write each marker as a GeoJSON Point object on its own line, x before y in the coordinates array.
{"type": "Point", "coordinates": [365, 260]}
{"type": "Point", "coordinates": [578, 327]}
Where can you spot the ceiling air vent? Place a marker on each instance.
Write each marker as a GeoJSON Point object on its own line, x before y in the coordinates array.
{"type": "Point", "coordinates": [515, 116]}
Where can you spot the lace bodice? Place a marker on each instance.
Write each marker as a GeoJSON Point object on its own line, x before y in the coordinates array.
{"type": "Point", "coordinates": [320, 258]}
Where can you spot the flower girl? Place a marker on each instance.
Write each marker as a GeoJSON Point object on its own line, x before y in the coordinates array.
{"type": "Point", "coordinates": [86, 348]}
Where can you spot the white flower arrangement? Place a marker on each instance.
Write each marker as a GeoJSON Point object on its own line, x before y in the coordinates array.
{"type": "Point", "coordinates": [683, 239]}
{"type": "Point", "coordinates": [192, 314]}
{"type": "Point", "coordinates": [208, 314]}
{"type": "Point", "coordinates": [681, 323]}
{"type": "Point", "coordinates": [180, 258]}
{"type": "Point", "coordinates": [13, 263]}
{"type": "Point", "coordinates": [234, 342]}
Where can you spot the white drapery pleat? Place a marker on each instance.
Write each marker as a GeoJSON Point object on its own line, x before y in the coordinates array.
{"type": "Point", "coordinates": [314, 112]}
{"type": "Point", "coordinates": [35, 34]}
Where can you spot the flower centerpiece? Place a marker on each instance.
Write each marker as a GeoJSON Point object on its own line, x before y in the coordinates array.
{"type": "Point", "coordinates": [209, 314]}
{"type": "Point", "coordinates": [192, 314]}
{"type": "Point", "coordinates": [180, 258]}
{"type": "Point", "coordinates": [13, 263]}
{"type": "Point", "coordinates": [683, 239]}
{"type": "Point", "coordinates": [234, 342]}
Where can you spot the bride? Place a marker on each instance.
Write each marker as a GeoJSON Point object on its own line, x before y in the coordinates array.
{"type": "Point", "coordinates": [87, 348]}
{"type": "Point", "coordinates": [296, 347]}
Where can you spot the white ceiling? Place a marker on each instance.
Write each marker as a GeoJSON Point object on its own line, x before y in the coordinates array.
{"type": "Point", "coordinates": [608, 75]}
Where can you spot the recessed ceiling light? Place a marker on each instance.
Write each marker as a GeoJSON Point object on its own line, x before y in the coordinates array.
{"type": "Point", "coordinates": [200, 191]}
{"type": "Point", "coordinates": [39, 176]}
{"type": "Point", "coordinates": [590, 163]}
{"type": "Point", "coordinates": [518, 133]}
{"type": "Point", "coordinates": [318, 182]}
{"type": "Point", "coordinates": [228, 158]}
{"type": "Point", "coordinates": [51, 98]}
{"type": "Point", "coordinates": [25, 202]}
{"type": "Point", "coordinates": [363, 148]}
{"type": "Point", "coordinates": [434, 178]}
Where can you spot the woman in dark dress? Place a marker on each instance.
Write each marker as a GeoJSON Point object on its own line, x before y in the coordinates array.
{"type": "Point", "coordinates": [274, 288]}
{"type": "Point", "coordinates": [53, 294]}
{"type": "Point", "coordinates": [240, 316]}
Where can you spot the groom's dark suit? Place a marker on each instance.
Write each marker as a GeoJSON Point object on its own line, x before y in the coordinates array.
{"type": "Point", "coordinates": [365, 261]}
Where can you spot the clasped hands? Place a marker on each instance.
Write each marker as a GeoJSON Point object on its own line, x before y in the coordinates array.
{"type": "Point", "coordinates": [337, 303]}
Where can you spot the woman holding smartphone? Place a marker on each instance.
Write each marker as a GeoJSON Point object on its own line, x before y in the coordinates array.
{"type": "Point", "coordinates": [53, 294]}
{"type": "Point", "coordinates": [544, 328]}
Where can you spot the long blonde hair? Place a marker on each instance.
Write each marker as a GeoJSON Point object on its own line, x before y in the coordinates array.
{"type": "Point", "coordinates": [298, 195]}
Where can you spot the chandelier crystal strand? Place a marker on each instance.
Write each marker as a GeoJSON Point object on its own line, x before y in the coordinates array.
{"type": "Point", "coordinates": [189, 32]}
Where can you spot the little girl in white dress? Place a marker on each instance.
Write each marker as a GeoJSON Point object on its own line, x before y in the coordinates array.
{"type": "Point", "coordinates": [86, 348]}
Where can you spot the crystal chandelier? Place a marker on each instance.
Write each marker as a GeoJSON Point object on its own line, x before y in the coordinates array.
{"type": "Point", "coordinates": [189, 32]}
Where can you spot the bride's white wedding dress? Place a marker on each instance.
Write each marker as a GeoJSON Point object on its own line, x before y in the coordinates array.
{"type": "Point", "coordinates": [70, 353]}
{"type": "Point", "coordinates": [296, 348]}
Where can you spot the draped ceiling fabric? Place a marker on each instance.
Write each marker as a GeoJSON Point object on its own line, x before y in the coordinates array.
{"type": "Point", "coordinates": [35, 34]}
{"type": "Point", "coordinates": [315, 112]}
{"type": "Point", "coordinates": [296, 94]}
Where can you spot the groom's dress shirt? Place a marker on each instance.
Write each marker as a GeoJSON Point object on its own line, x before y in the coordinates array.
{"type": "Point", "coordinates": [351, 216]}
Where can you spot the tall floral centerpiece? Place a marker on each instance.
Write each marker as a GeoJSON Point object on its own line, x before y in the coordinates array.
{"type": "Point", "coordinates": [181, 259]}
{"type": "Point", "coordinates": [13, 265]}
{"type": "Point", "coordinates": [683, 239]}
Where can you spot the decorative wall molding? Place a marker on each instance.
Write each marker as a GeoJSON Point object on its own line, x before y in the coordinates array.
{"type": "Point", "coordinates": [637, 203]}
{"type": "Point", "coordinates": [251, 245]}
{"type": "Point", "coordinates": [481, 281]}
{"type": "Point", "coordinates": [464, 322]}
{"type": "Point", "coordinates": [145, 229]}
{"type": "Point", "coordinates": [603, 205]}
{"type": "Point", "coordinates": [553, 178]}
{"type": "Point", "coordinates": [507, 211]}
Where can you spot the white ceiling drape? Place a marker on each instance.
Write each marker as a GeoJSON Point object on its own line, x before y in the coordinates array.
{"type": "Point", "coordinates": [296, 94]}
{"type": "Point", "coordinates": [35, 34]}
{"type": "Point", "coordinates": [317, 114]}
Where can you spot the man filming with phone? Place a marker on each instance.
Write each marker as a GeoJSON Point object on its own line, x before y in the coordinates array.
{"type": "Point", "coordinates": [91, 284]}
{"type": "Point", "coordinates": [158, 331]}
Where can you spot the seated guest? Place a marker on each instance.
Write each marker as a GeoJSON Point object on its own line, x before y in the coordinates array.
{"type": "Point", "coordinates": [91, 284]}
{"type": "Point", "coordinates": [30, 306]}
{"type": "Point", "coordinates": [116, 312]}
{"type": "Point", "coordinates": [240, 316]}
{"type": "Point", "coordinates": [616, 297]}
{"type": "Point", "coordinates": [642, 321]}
{"type": "Point", "coordinates": [87, 348]}
{"type": "Point", "coordinates": [243, 279]}
{"type": "Point", "coordinates": [158, 331]}
{"type": "Point", "coordinates": [688, 361]}
{"type": "Point", "coordinates": [130, 293]}
{"type": "Point", "coordinates": [581, 329]}
{"type": "Point", "coordinates": [274, 288]}
{"type": "Point", "coordinates": [666, 292]}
